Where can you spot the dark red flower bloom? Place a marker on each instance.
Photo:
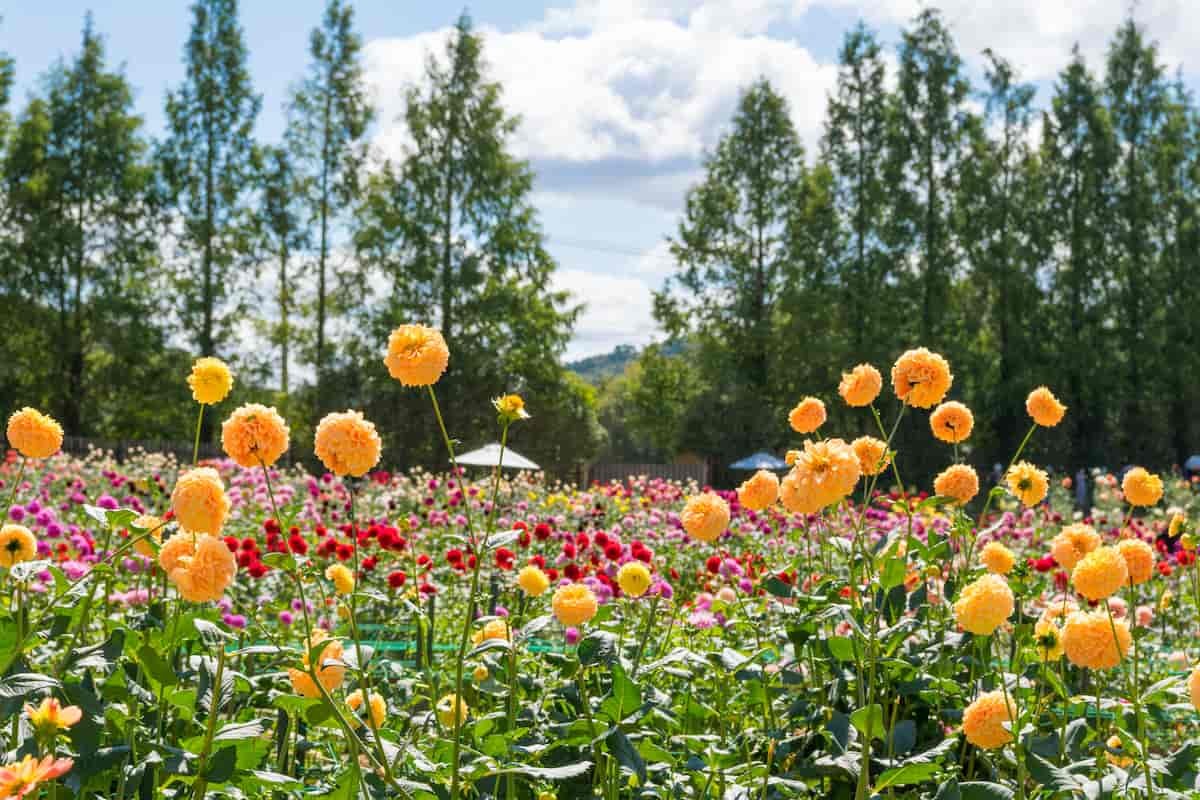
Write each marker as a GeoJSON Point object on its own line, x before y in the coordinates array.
{"type": "Point", "coordinates": [344, 552]}
{"type": "Point", "coordinates": [572, 572]}
{"type": "Point", "coordinates": [396, 579]}
{"type": "Point", "coordinates": [257, 569]}
{"type": "Point", "coordinates": [552, 574]}
{"type": "Point", "coordinates": [368, 563]}
{"type": "Point", "coordinates": [232, 543]}
{"type": "Point", "coordinates": [427, 589]}
{"type": "Point", "coordinates": [245, 558]}
{"type": "Point", "coordinates": [538, 561]}
{"type": "Point", "coordinates": [568, 549]}
{"type": "Point", "coordinates": [582, 540]}
{"type": "Point", "coordinates": [454, 555]}
{"type": "Point", "coordinates": [612, 551]}
{"type": "Point", "coordinates": [542, 531]}
{"type": "Point", "coordinates": [504, 558]}
{"type": "Point", "coordinates": [298, 544]}
{"type": "Point", "coordinates": [713, 564]}
{"type": "Point", "coordinates": [601, 539]}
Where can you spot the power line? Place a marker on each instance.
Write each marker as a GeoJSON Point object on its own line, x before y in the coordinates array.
{"type": "Point", "coordinates": [606, 247]}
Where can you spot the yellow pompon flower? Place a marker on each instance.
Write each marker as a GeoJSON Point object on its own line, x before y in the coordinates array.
{"type": "Point", "coordinates": [921, 378]}
{"type": "Point", "coordinates": [348, 444]}
{"type": "Point", "coordinates": [823, 474]}
{"type": "Point", "coordinates": [759, 491]}
{"type": "Point", "coordinates": [1043, 407]}
{"type": "Point", "coordinates": [984, 719]}
{"type": "Point", "coordinates": [51, 716]}
{"type": "Point", "coordinates": [510, 407]}
{"type": "Point", "coordinates": [1089, 642]}
{"type": "Point", "coordinates": [492, 629]}
{"type": "Point", "coordinates": [480, 674]}
{"type": "Point", "coordinates": [210, 380]}
{"type": "Point", "coordinates": [452, 711]}
{"type": "Point", "coordinates": [1122, 761]}
{"type": "Point", "coordinates": [200, 566]}
{"type": "Point", "coordinates": [705, 517]}
{"type": "Point", "coordinates": [378, 707]}
{"type": "Point", "coordinates": [417, 355]}
{"type": "Point", "coordinates": [1177, 525]}
{"type": "Point", "coordinates": [790, 457]}
{"type": "Point", "coordinates": [574, 604]}
{"type": "Point", "coordinates": [254, 435]}
{"type": "Point", "coordinates": [21, 778]}
{"type": "Point", "coordinates": [1027, 483]}
{"type": "Point", "coordinates": [984, 605]}
{"type": "Point", "coordinates": [1072, 543]}
{"type": "Point", "coordinates": [342, 577]}
{"type": "Point", "coordinates": [1193, 685]}
{"type": "Point", "coordinates": [17, 544]}
{"type": "Point", "coordinates": [872, 454]}
{"type": "Point", "coordinates": [860, 386]}
{"type": "Point", "coordinates": [533, 581]}
{"type": "Point", "coordinates": [1047, 638]}
{"type": "Point", "coordinates": [199, 501]}
{"type": "Point", "coordinates": [959, 481]}
{"type": "Point", "coordinates": [1100, 574]}
{"type": "Point", "coordinates": [1141, 488]}
{"type": "Point", "coordinates": [951, 422]}
{"type": "Point", "coordinates": [153, 525]}
{"type": "Point", "coordinates": [807, 416]}
{"type": "Point", "coordinates": [331, 671]}
{"type": "Point", "coordinates": [34, 434]}
{"type": "Point", "coordinates": [634, 578]}
{"type": "Point", "coordinates": [997, 558]}
{"type": "Point", "coordinates": [1139, 558]}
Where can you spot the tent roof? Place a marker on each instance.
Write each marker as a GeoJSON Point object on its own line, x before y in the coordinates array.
{"type": "Point", "coordinates": [489, 456]}
{"type": "Point", "coordinates": [759, 460]}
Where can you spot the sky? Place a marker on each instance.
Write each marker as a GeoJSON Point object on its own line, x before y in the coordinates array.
{"type": "Point", "coordinates": [619, 99]}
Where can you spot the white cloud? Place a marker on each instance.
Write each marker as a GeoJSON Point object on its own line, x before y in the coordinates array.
{"type": "Point", "coordinates": [616, 311]}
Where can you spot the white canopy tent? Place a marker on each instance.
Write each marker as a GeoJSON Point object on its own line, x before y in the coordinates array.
{"type": "Point", "coordinates": [489, 456]}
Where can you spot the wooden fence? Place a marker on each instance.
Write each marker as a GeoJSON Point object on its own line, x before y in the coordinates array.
{"type": "Point", "coordinates": [605, 473]}
{"type": "Point", "coordinates": [80, 446]}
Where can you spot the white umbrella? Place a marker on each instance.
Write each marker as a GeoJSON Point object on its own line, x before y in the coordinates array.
{"type": "Point", "coordinates": [489, 456]}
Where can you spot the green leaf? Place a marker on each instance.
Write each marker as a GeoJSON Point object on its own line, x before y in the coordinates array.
{"type": "Point", "coordinates": [550, 773]}
{"type": "Point", "coordinates": [1050, 776]}
{"type": "Point", "coordinates": [841, 647]}
{"type": "Point", "coordinates": [25, 683]}
{"type": "Point", "coordinates": [627, 756]}
{"type": "Point", "coordinates": [221, 765]}
{"type": "Point", "coordinates": [156, 666]}
{"type": "Point", "coordinates": [211, 633]}
{"type": "Point", "coordinates": [906, 775]}
{"type": "Point", "coordinates": [280, 561]}
{"type": "Point", "coordinates": [777, 587]}
{"type": "Point", "coordinates": [894, 570]}
{"type": "Point", "coordinates": [869, 721]}
{"type": "Point", "coordinates": [598, 647]}
{"type": "Point", "coordinates": [240, 730]}
{"type": "Point", "coordinates": [983, 790]}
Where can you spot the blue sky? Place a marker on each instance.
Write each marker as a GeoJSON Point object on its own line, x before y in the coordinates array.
{"type": "Point", "coordinates": [619, 98]}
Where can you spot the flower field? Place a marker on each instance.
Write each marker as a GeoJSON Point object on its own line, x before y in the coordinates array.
{"type": "Point", "coordinates": [237, 628]}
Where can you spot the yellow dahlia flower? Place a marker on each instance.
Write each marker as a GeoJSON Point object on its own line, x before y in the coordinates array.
{"type": "Point", "coordinates": [951, 422]}
{"type": "Point", "coordinates": [1100, 574]}
{"type": "Point", "coordinates": [210, 380]}
{"type": "Point", "coordinates": [705, 517]}
{"type": "Point", "coordinates": [822, 475]}
{"type": "Point", "coordinates": [574, 604]}
{"type": "Point", "coordinates": [1047, 638]}
{"type": "Point", "coordinates": [1193, 685]}
{"type": "Point", "coordinates": [759, 491]}
{"type": "Point", "coordinates": [984, 605]}
{"type": "Point", "coordinates": [492, 629]}
{"type": "Point", "coordinates": [154, 526]}
{"type": "Point", "coordinates": [1141, 488]}
{"type": "Point", "coordinates": [417, 355]}
{"type": "Point", "coordinates": [200, 566]}
{"type": "Point", "coordinates": [1043, 407]}
{"type": "Point", "coordinates": [1028, 483]}
{"type": "Point", "coordinates": [1089, 641]}
{"type": "Point", "coordinates": [342, 577]}
{"type": "Point", "coordinates": [984, 719]}
{"type": "Point", "coordinates": [348, 444]}
{"type": "Point", "coordinates": [807, 416]}
{"type": "Point", "coordinates": [331, 670]}
{"type": "Point", "coordinates": [34, 434]}
{"type": "Point", "coordinates": [958, 481]}
{"type": "Point", "coordinates": [452, 711]}
{"type": "Point", "coordinates": [872, 454]}
{"type": "Point", "coordinates": [199, 501]}
{"type": "Point", "coordinates": [17, 544]}
{"type": "Point", "coordinates": [378, 707]}
{"type": "Point", "coordinates": [921, 378]}
{"type": "Point", "coordinates": [997, 558]}
{"type": "Point", "coordinates": [1073, 543]}
{"type": "Point", "coordinates": [533, 581]}
{"type": "Point", "coordinates": [633, 578]}
{"type": "Point", "coordinates": [1139, 558]}
{"type": "Point", "coordinates": [254, 433]}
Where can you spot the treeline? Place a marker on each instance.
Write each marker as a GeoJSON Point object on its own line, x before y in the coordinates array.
{"type": "Point", "coordinates": [1053, 243]}
{"type": "Point", "coordinates": [124, 256]}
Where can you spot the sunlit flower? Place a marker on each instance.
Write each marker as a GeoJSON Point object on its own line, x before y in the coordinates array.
{"type": "Point", "coordinates": [921, 378]}
{"type": "Point", "coordinates": [17, 544]}
{"type": "Point", "coordinates": [199, 501]}
{"type": "Point", "coordinates": [860, 386]}
{"type": "Point", "coordinates": [378, 707]}
{"type": "Point", "coordinates": [984, 605]}
{"type": "Point", "coordinates": [342, 577]}
{"type": "Point", "coordinates": [348, 444]}
{"type": "Point", "coordinates": [959, 481]}
{"type": "Point", "coordinates": [1028, 483]}
{"type": "Point", "coordinates": [417, 355]}
{"type": "Point", "coordinates": [21, 778]}
{"type": "Point", "coordinates": [533, 581]}
{"type": "Point", "coordinates": [807, 416]}
{"type": "Point", "coordinates": [331, 670]}
{"type": "Point", "coordinates": [759, 491]}
{"type": "Point", "coordinates": [200, 566]}
{"type": "Point", "coordinates": [254, 435]}
{"type": "Point", "coordinates": [952, 422]}
{"type": "Point", "coordinates": [1139, 558]}
{"type": "Point", "coordinates": [1141, 488]}
{"type": "Point", "coordinates": [984, 720]}
{"type": "Point", "coordinates": [452, 711]}
{"type": "Point", "coordinates": [34, 434]}
{"type": "Point", "coordinates": [210, 380]}
{"type": "Point", "coordinates": [1116, 759]}
{"type": "Point", "coordinates": [1100, 574]}
{"type": "Point", "coordinates": [634, 578]}
{"type": "Point", "coordinates": [1072, 543]}
{"type": "Point", "coordinates": [510, 407]}
{"type": "Point", "coordinates": [574, 604]}
{"type": "Point", "coordinates": [492, 629]}
{"type": "Point", "coordinates": [1089, 640]}
{"type": "Point", "coordinates": [823, 474]}
{"type": "Point", "coordinates": [1193, 684]}
{"type": "Point", "coordinates": [1044, 407]}
{"type": "Point", "coordinates": [1047, 638]}
{"type": "Point", "coordinates": [872, 454]}
{"type": "Point", "coordinates": [997, 558]}
{"type": "Point", "coordinates": [705, 517]}
{"type": "Point", "coordinates": [153, 527]}
{"type": "Point", "coordinates": [51, 717]}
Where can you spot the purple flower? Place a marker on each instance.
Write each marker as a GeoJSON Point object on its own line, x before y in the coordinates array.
{"type": "Point", "coordinates": [286, 618]}
{"type": "Point", "coordinates": [572, 635]}
{"type": "Point", "coordinates": [16, 513]}
{"type": "Point", "coordinates": [234, 620]}
{"type": "Point", "coordinates": [107, 502]}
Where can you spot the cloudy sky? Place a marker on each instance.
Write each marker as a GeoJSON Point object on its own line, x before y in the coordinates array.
{"type": "Point", "coordinates": [619, 98]}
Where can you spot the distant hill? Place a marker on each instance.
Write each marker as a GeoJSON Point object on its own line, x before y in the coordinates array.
{"type": "Point", "coordinates": [597, 369]}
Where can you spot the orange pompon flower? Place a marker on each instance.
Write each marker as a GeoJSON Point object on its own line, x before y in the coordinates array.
{"type": "Point", "coordinates": [331, 671]}
{"type": "Point", "coordinates": [21, 778]}
{"type": "Point", "coordinates": [51, 717]}
{"type": "Point", "coordinates": [533, 581]}
{"type": "Point", "coordinates": [705, 517]}
{"type": "Point", "coordinates": [958, 481]}
{"type": "Point", "coordinates": [997, 558]}
{"type": "Point", "coordinates": [342, 578]}
{"type": "Point", "coordinates": [1073, 543]}
{"type": "Point", "coordinates": [492, 629]}
{"type": "Point", "coordinates": [34, 434]}
{"type": "Point", "coordinates": [1141, 488]}
{"type": "Point", "coordinates": [872, 454]}
{"type": "Point", "coordinates": [1193, 685]}
{"type": "Point", "coordinates": [210, 381]}
{"type": "Point", "coordinates": [921, 378]}
{"type": "Point", "coordinates": [984, 720]}
{"type": "Point", "coordinates": [1043, 407]}
{"type": "Point", "coordinates": [952, 422]}
{"type": "Point", "coordinates": [574, 604]}
{"type": "Point", "coordinates": [200, 566]}
{"type": "Point", "coordinates": [199, 501]}
{"type": "Point", "coordinates": [417, 355]}
{"type": "Point", "coordinates": [152, 526]}
{"type": "Point", "coordinates": [17, 545]}
{"type": "Point", "coordinates": [860, 386]}
{"type": "Point", "coordinates": [760, 491]}
{"type": "Point", "coordinates": [348, 444]}
{"type": "Point", "coordinates": [807, 416]}
{"type": "Point", "coordinates": [254, 435]}
{"type": "Point", "coordinates": [984, 605]}
{"type": "Point", "coordinates": [822, 475]}
{"type": "Point", "coordinates": [1089, 640]}
{"type": "Point", "coordinates": [1028, 483]}
{"type": "Point", "coordinates": [1100, 574]}
{"type": "Point", "coordinates": [1139, 558]}
{"type": "Point", "coordinates": [377, 706]}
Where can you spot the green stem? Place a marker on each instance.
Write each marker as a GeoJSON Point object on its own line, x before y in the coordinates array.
{"type": "Point", "coordinates": [196, 446]}
{"type": "Point", "coordinates": [12, 496]}
{"type": "Point", "coordinates": [214, 710]}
